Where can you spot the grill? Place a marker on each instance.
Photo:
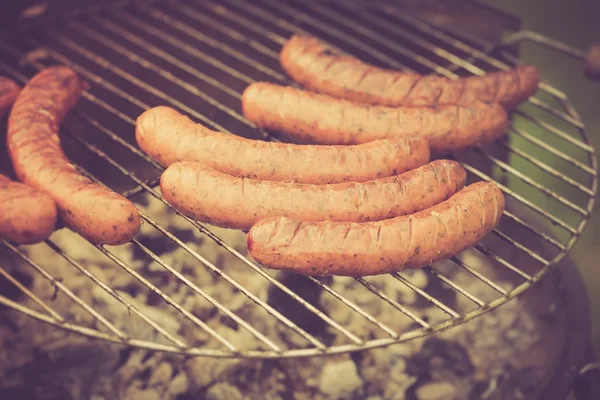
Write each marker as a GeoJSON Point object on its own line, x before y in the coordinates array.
{"type": "Point", "coordinates": [198, 56]}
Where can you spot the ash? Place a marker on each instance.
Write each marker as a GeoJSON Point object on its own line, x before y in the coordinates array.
{"type": "Point", "coordinates": [502, 354]}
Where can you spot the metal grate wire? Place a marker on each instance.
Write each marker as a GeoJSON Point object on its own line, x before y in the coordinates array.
{"type": "Point", "coordinates": [118, 50]}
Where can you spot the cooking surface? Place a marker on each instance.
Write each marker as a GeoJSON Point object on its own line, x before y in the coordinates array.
{"type": "Point", "coordinates": [140, 58]}
{"type": "Point", "coordinates": [163, 58]}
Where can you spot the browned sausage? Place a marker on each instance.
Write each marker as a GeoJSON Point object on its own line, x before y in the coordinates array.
{"type": "Point", "coordinates": [168, 137]}
{"type": "Point", "coordinates": [370, 248]}
{"type": "Point", "coordinates": [311, 63]}
{"type": "Point", "coordinates": [93, 211]}
{"type": "Point", "coordinates": [27, 215]}
{"type": "Point", "coordinates": [592, 62]}
{"type": "Point", "coordinates": [219, 199]}
{"type": "Point", "coordinates": [327, 120]}
{"type": "Point", "coordinates": [9, 91]}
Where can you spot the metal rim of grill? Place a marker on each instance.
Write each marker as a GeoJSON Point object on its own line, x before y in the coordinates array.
{"type": "Point", "coordinates": [251, 34]}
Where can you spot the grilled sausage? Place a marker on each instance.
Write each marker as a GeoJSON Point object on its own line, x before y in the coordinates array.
{"type": "Point", "coordinates": [91, 210]}
{"type": "Point", "coordinates": [592, 62]}
{"type": "Point", "coordinates": [327, 120]}
{"type": "Point", "coordinates": [370, 248]}
{"type": "Point", "coordinates": [27, 215]}
{"type": "Point", "coordinates": [219, 199]}
{"type": "Point", "coordinates": [168, 137]}
{"type": "Point", "coordinates": [9, 91]}
{"type": "Point", "coordinates": [311, 63]}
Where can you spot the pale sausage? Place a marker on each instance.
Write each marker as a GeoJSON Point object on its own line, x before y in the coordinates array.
{"type": "Point", "coordinates": [168, 136]}
{"type": "Point", "coordinates": [207, 195]}
{"type": "Point", "coordinates": [323, 119]}
{"type": "Point", "coordinates": [314, 65]}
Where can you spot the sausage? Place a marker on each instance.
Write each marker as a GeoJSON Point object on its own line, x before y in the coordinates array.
{"type": "Point", "coordinates": [327, 120]}
{"type": "Point", "coordinates": [9, 91]}
{"type": "Point", "coordinates": [222, 200]}
{"type": "Point", "coordinates": [371, 248]}
{"type": "Point", "coordinates": [312, 64]}
{"type": "Point", "coordinates": [592, 62]}
{"type": "Point", "coordinates": [168, 137]}
{"type": "Point", "coordinates": [27, 215]}
{"type": "Point", "coordinates": [89, 209]}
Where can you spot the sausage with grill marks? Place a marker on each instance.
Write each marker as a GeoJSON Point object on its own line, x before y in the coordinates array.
{"type": "Point", "coordinates": [98, 214]}
{"type": "Point", "coordinates": [222, 200]}
{"type": "Point", "coordinates": [314, 65]}
{"type": "Point", "coordinates": [27, 215]}
{"type": "Point", "coordinates": [371, 248]}
{"type": "Point", "coordinates": [168, 137]}
{"type": "Point", "coordinates": [327, 120]}
{"type": "Point", "coordinates": [9, 90]}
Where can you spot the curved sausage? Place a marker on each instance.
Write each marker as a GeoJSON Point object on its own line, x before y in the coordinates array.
{"type": "Point", "coordinates": [327, 120]}
{"type": "Point", "coordinates": [210, 196]}
{"type": "Point", "coordinates": [27, 215]}
{"type": "Point", "coordinates": [370, 248]}
{"type": "Point", "coordinates": [89, 209]}
{"type": "Point", "coordinates": [311, 63]}
{"type": "Point", "coordinates": [9, 90]}
{"type": "Point", "coordinates": [168, 137]}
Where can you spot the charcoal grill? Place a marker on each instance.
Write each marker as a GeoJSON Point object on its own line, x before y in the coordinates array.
{"type": "Point", "coordinates": [198, 56]}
